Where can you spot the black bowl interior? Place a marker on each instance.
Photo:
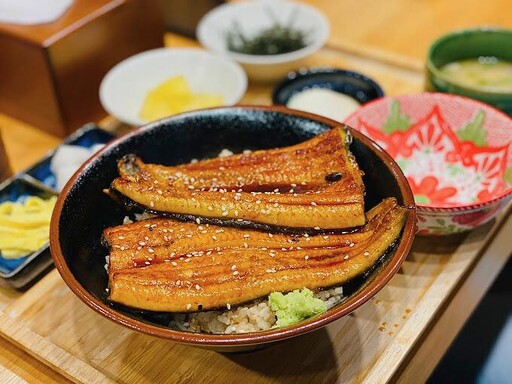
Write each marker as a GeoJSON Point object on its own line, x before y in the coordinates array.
{"type": "Point", "coordinates": [86, 210]}
{"type": "Point", "coordinates": [353, 84]}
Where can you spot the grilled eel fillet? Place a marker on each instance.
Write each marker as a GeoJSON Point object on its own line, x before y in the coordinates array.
{"type": "Point", "coordinates": [166, 265]}
{"type": "Point", "coordinates": [315, 184]}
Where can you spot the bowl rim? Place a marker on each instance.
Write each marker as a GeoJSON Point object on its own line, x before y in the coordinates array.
{"type": "Point", "coordinates": [244, 339]}
{"type": "Point", "coordinates": [436, 71]}
{"type": "Point", "coordinates": [313, 72]}
{"type": "Point", "coordinates": [459, 208]}
{"type": "Point", "coordinates": [106, 81]}
{"type": "Point", "coordinates": [323, 29]}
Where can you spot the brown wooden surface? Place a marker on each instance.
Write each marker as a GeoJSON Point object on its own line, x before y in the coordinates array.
{"type": "Point", "coordinates": [402, 30]}
{"type": "Point", "coordinates": [75, 16]}
{"type": "Point", "coordinates": [50, 73]}
{"type": "Point", "coordinates": [399, 335]}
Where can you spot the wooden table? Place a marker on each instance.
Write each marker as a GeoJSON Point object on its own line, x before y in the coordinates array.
{"type": "Point", "coordinates": [48, 335]}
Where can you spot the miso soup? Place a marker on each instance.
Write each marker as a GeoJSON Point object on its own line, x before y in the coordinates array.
{"type": "Point", "coordinates": [485, 72]}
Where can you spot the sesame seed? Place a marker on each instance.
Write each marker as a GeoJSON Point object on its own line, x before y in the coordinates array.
{"type": "Point", "coordinates": [258, 201]}
{"type": "Point", "coordinates": [270, 270]}
{"type": "Point", "coordinates": [302, 183]}
{"type": "Point", "coordinates": [246, 236]}
{"type": "Point", "coordinates": [236, 213]}
{"type": "Point", "coordinates": [189, 306]}
{"type": "Point", "coordinates": [276, 205]}
{"type": "Point", "coordinates": [351, 245]}
{"type": "Point", "coordinates": [151, 203]}
{"type": "Point", "coordinates": [317, 228]}
{"type": "Point", "coordinates": [225, 213]}
{"type": "Point", "coordinates": [366, 254]}
{"type": "Point", "coordinates": [210, 208]}
{"type": "Point", "coordinates": [293, 185]}
{"type": "Point", "coordinates": [326, 237]}
{"type": "Point", "coordinates": [246, 245]}
{"type": "Point", "coordinates": [142, 243]}
{"type": "Point", "coordinates": [214, 237]}
{"type": "Point", "coordinates": [270, 235]}
{"type": "Point", "coordinates": [198, 220]}
{"type": "Point", "coordinates": [313, 203]}
{"type": "Point", "coordinates": [346, 257]}
{"type": "Point", "coordinates": [276, 190]}
{"type": "Point", "coordinates": [306, 257]}
{"type": "Point", "coordinates": [150, 250]}
{"type": "Point", "coordinates": [174, 263]}
{"type": "Point", "coordinates": [233, 267]}
{"type": "Point", "coordinates": [198, 287]}
{"type": "Point", "coordinates": [147, 263]}
{"type": "Point", "coordinates": [228, 306]}
{"type": "Point", "coordinates": [120, 237]}
{"type": "Point", "coordinates": [235, 273]}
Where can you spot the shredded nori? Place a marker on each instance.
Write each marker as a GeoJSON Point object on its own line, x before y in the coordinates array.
{"type": "Point", "coordinates": [271, 41]}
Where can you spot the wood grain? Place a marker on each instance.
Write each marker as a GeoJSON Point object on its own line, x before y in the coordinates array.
{"type": "Point", "coordinates": [402, 30]}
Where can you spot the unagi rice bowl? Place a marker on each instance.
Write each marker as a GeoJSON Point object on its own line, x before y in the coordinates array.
{"type": "Point", "coordinates": [222, 259]}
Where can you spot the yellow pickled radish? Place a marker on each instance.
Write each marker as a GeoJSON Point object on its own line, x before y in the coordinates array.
{"type": "Point", "coordinates": [174, 96]}
{"type": "Point", "coordinates": [24, 227]}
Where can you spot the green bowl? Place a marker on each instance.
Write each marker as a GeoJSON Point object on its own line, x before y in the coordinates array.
{"type": "Point", "coordinates": [466, 44]}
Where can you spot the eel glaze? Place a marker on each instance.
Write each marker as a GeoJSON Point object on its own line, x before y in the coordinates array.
{"type": "Point", "coordinates": [162, 264]}
{"type": "Point", "coordinates": [316, 184]}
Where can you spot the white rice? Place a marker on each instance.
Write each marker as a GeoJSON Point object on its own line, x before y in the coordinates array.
{"type": "Point", "coordinates": [246, 318]}
{"type": "Point", "coordinates": [225, 153]}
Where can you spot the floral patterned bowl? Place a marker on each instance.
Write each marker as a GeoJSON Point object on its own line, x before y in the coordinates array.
{"type": "Point", "coordinates": [455, 152]}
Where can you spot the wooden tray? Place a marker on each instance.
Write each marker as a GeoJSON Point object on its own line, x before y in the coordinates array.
{"type": "Point", "coordinates": [374, 344]}
{"type": "Point", "coordinates": [56, 327]}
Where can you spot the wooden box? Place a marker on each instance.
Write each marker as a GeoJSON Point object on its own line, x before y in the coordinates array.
{"type": "Point", "coordinates": [50, 73]}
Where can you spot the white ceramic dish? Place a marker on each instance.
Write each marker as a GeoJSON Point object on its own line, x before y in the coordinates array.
{"type": "Point", "coordinates": [255, 16]}
{"type": "Point", "coordinates": [123, 89]}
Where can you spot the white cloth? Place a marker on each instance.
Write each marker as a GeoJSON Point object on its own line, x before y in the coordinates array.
{"type": "Point", "coordinates": [32, 11]}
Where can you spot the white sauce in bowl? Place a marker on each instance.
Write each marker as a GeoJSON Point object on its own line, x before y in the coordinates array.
{"type": "Point", "coordinates": [324, 102]}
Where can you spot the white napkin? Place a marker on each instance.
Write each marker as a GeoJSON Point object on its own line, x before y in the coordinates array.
{"type": "Point", "coordinates": [32, 11]}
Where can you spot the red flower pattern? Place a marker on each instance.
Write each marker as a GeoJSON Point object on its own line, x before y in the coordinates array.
{"type": "Point", "coordinates": [434, 133]}
{"type": "Point", "coordinates": [429, 188]}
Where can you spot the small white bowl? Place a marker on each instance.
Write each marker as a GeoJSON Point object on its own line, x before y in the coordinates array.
{"type": "Point", "coordinates": [255, 16]}
{"type": "Point", "coordinates": [124, 87]}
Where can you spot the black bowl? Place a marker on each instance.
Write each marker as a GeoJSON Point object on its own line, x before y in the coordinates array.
{"type": "Point", "coordinates": [83, 210]}
{"type": "Point", "coordinates": [356, 85]}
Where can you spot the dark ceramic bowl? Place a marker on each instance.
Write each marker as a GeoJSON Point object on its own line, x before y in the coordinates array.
{"type": "Point", "coordinates": [83, 210]}
{"type": "Point", "coordinates": [468, 44]}
{"type": "Point", "coordinates": [356, 85]}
